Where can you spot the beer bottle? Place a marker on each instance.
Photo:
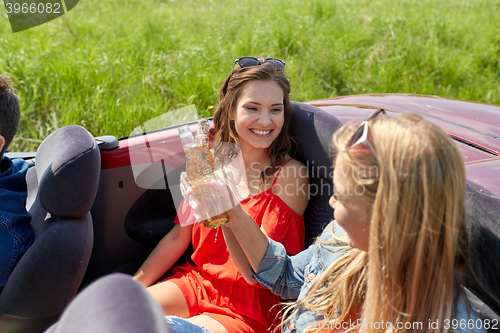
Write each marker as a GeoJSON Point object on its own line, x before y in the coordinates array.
{"type": "Point", "coordinates": [199, 174]}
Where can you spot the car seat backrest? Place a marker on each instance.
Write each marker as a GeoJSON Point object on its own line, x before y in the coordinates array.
{"type": "Point", "coordinates": [67, 187]}
{"type": "Point", "coordinates": [313, 130]}
{"type": "Point", "coordinates": [482, 278]}
{"type": "Point", "coordinates": [61, 190]}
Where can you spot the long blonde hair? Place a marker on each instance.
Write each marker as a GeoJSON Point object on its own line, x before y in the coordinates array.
{"type": "Point", "coordinates": [417, 249]}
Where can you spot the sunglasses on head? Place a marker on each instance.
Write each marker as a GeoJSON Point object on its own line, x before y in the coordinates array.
{"type": "Point", "coordinates": [362, 136]}
{"type": "Point", "coordinates": [244, 62]}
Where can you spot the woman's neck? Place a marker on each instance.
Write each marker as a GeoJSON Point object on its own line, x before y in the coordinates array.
{"type": "Point", "coordinates": [255, 158]}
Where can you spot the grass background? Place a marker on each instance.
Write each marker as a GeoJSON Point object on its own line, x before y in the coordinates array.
{"type": "Point", "coordinates": [112, 65]}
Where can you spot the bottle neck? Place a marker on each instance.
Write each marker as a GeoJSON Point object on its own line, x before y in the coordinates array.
{"type": "Point", "coordinates": [203, 127]}
{"type": "Point", "coordinates": [186, 136]}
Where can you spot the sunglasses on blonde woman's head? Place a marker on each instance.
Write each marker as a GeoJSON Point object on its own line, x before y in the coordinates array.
{"type": "Point", "coordinates": [362, 137]}
{"type": "Point", "coordinates": [245, 62]}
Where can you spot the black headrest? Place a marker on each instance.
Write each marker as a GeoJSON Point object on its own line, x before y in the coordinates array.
{"type": "Point", "coordinates": [313, 129]}
{"type": "Point", "coordinates": [483, 221]}
{"type": "Point", "coordinates": [68, 167]}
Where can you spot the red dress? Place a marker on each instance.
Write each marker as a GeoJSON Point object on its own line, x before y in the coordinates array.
{"type": "Point", "coordinates": [215, 287]}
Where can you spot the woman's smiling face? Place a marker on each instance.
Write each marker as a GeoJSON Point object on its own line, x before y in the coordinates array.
{"type": "Point", "coordinates": [259, 113]}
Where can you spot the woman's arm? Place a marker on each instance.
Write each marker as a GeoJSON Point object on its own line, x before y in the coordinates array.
{"type": "Point", "coordinates": [271, 266]}
{"type": "Point", "coordinates": [238, 255]}
{"type": "Point", "coordinates": [246, 242]}
{"type": "Point", "coordinates": [165, 254]}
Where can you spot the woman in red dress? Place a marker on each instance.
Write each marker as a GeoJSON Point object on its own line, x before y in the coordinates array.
{"type": "Point", "coordinates": [255, 113]}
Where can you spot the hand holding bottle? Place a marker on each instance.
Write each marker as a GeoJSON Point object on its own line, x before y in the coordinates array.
{"type": "Point", "coordinates": [212, 191]}
{"type": "Point", "coordinates": [223, 197]}
{"type": "Point", "coordinates": [199, 173]}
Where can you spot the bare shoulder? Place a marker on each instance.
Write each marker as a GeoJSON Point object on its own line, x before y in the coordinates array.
{"type": "Point", "coordinates": [292, 185]}
{"type": "Point", "coordinates": [292, 170]}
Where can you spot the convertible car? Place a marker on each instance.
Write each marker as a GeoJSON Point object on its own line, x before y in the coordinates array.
{"type": "Point", "coordinates": [100, 205]}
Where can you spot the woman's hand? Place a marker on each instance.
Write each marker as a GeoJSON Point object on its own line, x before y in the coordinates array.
{"type": "Point", "coordinates": [187, 193]}
{"type": "Point", "coordinates": [208, 197]}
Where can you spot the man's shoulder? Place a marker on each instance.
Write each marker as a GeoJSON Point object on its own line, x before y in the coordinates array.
{"type": "Point", "coordinates": [5, 164]}
{"type": "Point", "coordinates": [12, 166]}
{"type": "Point", "coordinates": [13, 178]}
{"type": "Point", "coordinates": [19, 165]}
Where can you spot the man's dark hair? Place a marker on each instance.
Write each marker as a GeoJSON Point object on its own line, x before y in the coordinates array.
{"type": "Point", "coordinates": [10, 112]}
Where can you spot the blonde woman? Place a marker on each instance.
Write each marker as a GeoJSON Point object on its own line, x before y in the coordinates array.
{"type": "Point", "coordinates": [392, 260]}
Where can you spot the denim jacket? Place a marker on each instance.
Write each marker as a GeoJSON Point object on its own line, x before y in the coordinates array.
{"type": "Point", "coordinates": [291, 277]}
{"type": "Point", "coordinates": [16, 233]}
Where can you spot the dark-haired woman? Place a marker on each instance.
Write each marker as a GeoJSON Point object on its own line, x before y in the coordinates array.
{"type": "Point", "coordinates": [255, 113]}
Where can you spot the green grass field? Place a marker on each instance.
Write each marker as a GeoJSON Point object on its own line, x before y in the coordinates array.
{"type": "Point", "coordinates": [112, 65]}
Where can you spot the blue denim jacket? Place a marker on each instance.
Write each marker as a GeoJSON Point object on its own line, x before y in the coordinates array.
{"type": "Point", "coordinates": [16, 233]}
{"type": "Point", "coordinates": [291, 277]}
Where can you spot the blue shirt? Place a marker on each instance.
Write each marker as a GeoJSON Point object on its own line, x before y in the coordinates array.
{"type": "Point", "coordinates": [16, 233]}
{"type": "Point", "coordinates": [291, 278]}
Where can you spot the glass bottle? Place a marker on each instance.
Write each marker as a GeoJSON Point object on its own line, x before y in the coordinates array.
{"type": "Point", "coordinates": [199, 174]}
{"type": "Point", "coordinates": [202, 140]}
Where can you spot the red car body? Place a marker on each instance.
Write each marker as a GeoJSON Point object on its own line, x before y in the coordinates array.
{"type": "Point", "coordinates": [474, 126]}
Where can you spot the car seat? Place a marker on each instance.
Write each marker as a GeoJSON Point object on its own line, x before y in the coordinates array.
{"type": "Point", "coordinates": [482, 276]}
{"type": "Point", "coordinates": [313, 130]}
{"type": "Point", "coordinates": [62, 187]}
{"type": "Point", "coordinates": [114, 303]}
